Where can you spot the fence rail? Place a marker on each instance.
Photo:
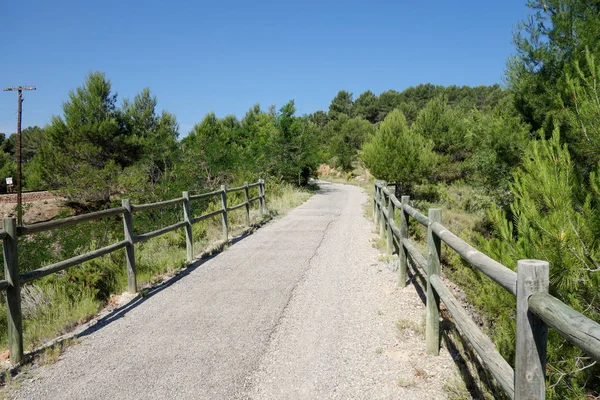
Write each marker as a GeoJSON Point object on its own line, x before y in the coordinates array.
{"type": "Point", "coordinates": [10, 233]}
{"type": "Point", "coordinates": [536, 308]}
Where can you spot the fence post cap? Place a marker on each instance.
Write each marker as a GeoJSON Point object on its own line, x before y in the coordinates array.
{"type": "Point", "coordinates": [529, 263]}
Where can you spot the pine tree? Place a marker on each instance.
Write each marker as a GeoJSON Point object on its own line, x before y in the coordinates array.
{"type": "Point", "coordinates": [397, 154]}
{"type": "Point", "coordinates": [87, 148]}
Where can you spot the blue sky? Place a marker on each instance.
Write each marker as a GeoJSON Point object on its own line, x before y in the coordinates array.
{"type": "Point", "coordinates": [225, 56]}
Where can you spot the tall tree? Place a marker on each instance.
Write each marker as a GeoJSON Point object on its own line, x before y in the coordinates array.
{"type": "Point", "coordinates": [548, 44]}
{"type": "Point", "coordinates": [341, 104]}
{"type": "Point", "coordinates": [441, 124]}
{"type": "Point", "coordinates": [396, 154]}
{"type": "Point", "coordinates": [156, 134]}
{"type": "Point", "coordinates": [346, 137]}
{"type": "Point", "coordinates": [388, 100]}
{"type": "Point", "coordinates": [366, 106]}
{"type": "Point", "coordinates": [87, 147]}
{"type": "Point", "coordinates": [293, 147]}
{"type": "Point", "coordinates": [210, 153]}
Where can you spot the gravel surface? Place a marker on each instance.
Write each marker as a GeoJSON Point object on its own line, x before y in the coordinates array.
{"type": "Point", "coordinates": [301, 309]}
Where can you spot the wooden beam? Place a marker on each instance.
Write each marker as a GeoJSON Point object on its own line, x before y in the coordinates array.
{"type": "Point", "coordinates": [578, 329]}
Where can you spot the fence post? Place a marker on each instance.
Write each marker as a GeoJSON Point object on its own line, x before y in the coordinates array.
{"type": "Point", "coordinates": [375, 194]}
{"type": "Point", "coordinates": [224, 214]}
{"type": "Point", "coordinates": [261, 193]}
{"type": "Point", "coordinates": [130, 249]}
{"type": "Point", "coordinates": [390, 234]}
{"type": "Point", "coordinates": [246, 197]}
{"type": "Point", "coordinates": [432, 332]}
{"type": "Point", "coordinates": [189, 242]}
{"type": "Point", "coordinates": [532, 332]}
{"type": "Point", "coordinates": [381, 208]}
{"type": "Point", "coordinates": [403, 262]}
{"type": "Point", "coordinates": [13, 292]}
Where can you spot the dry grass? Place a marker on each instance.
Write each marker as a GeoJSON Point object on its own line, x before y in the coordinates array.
{"type": "Point", "coordinates": [403, 382]}
{"type": "Point", "coordinates": [457, 390]}
{"type": "Point", "coordinates": [405, 325]}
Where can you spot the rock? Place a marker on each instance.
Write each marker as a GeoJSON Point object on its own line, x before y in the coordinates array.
{"type": "Point", "coordinates": [5, 355]}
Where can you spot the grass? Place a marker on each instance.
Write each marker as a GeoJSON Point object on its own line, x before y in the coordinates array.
{"type": "Point", "coordinates": [405, 325]}
{"type": "Point", "coordinates": [51, 354]}
{"type": "Point", "coordinates": [403, 382]}
{"type": "Point", "coordinates": [54, 305]}
{"type": "Point", "coordinates": [456, 390]}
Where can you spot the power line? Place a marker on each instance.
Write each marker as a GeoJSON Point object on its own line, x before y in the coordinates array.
{"type": "Point", "coordinates": [19, 90]}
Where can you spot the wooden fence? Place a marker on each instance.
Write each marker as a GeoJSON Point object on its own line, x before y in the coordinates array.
{"type": "Point", "coordinates": [10, 232]}
{"type": "Point", "coordinates": [536, 308]}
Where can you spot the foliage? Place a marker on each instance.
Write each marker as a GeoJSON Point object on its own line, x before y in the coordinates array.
{"type": "Point", "coordinates": [552, 223]}
{"type": "Point", "coordinates": [496, 141]}
{"type": "Point", "coordinates": [341, 104]}
{"type": "Point", "coordinates": [442, 125]}
{"type": "Point", "coordinates": [156, 134]}
{"type": "Point", "coordinates": [366, 106]}
{"type": "Point", "coordinates": [584, 116]}
{"type": "Point", "coordinates": [397, 154]}
{"type": "Point", "coordinates": [292, 152]}
{"type": "Point", "coordinates": [345, 138]}
{"type": "Point", "coordinates": [549, 43]}
{"type": "Point", "coordinates": [209, 153]}
{"type": "Point", "coordinates": [85, 151]}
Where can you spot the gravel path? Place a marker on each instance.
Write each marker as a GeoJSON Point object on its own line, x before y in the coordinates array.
{"type": "Point", "coordinates": [301, 309]}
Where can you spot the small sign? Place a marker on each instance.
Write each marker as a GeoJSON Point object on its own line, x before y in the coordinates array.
{"type": "Point", "coordinates": [9, 181]}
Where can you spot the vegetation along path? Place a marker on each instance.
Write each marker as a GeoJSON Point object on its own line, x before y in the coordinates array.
{"type": "Point", "coordinates": [300, 309]}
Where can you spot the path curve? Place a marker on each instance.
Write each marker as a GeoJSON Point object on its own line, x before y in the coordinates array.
{"type": "Point", "coordinates": [301, 309]}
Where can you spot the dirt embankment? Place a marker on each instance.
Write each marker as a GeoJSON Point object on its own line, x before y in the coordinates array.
{"type": "Point", "coordinates": [38, 206]}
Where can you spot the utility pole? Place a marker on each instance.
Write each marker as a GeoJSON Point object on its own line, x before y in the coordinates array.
{"type": "Point", "coordinates": [19, 90]}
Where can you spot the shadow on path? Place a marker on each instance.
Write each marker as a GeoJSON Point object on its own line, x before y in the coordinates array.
{"type": "Point", "coordinates": [459, 348]}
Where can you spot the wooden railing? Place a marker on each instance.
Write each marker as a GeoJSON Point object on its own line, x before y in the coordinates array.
{"type": "Point", "coordinates": [10, 232]}
{"type": "Point", "coordinates": [536, 308]}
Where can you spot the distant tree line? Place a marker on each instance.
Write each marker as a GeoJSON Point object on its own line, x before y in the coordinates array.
{"type": "Point", "coordinates": [98, 150]}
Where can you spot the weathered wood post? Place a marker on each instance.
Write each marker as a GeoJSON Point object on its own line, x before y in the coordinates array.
{"type": "Point", "coordinates": [224, 214]}
{"type": "Point", "coordinates": [432, 332]}
{"type": "Point", "coordinates": [390, 235]}
{"type": "Point", "coordinates": [13, 291]}
{"type": "Point", "coordinates": [129, 249]}
{"type": "Point", "coordinates": [189, 242]}
{"type": "Point", "coordinates": [403, 262]}
{"type": "Point", "coordinates": [261, 193]}
{"type": "Point", "coordinates": [246, 197]}
{"type": "Point", "coordinates": [381, 208]}
{"type": "Point", "coordinates": [532, 332]}
{"type": "Point", "coordinates": [375, 194]}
